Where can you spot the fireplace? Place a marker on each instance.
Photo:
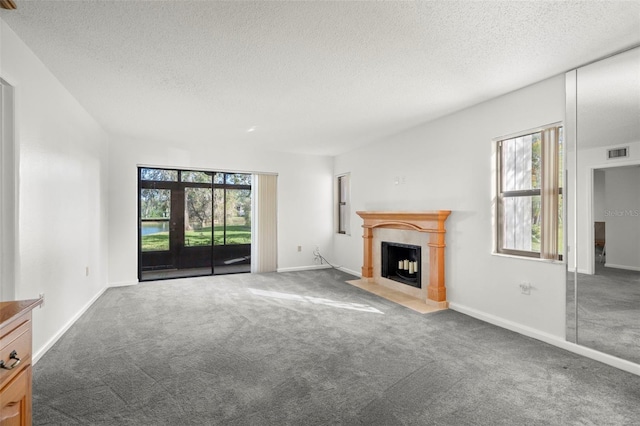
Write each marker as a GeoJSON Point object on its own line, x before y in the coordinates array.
{"type": "Point", "coordinates": [401, 263]}
{"type": "Point", "coordinates": [423, 229]}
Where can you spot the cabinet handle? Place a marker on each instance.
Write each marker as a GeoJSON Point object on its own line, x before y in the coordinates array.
{"type": "Point", "coordinates": [12, 355]}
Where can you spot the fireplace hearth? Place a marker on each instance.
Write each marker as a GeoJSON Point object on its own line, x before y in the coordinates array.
{"type": "Point", "coordinates": [401, 263]}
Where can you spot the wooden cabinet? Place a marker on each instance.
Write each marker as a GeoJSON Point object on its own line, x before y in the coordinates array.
{"type": "Point", "coordinates": [15, 362]}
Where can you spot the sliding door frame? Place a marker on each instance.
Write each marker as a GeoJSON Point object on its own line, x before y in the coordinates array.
{"type": "Point", "coordinates": [220, 185]}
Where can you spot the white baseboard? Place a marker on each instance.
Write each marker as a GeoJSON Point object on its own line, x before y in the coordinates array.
{"type": "Point", "coordinates": [509, 325]}
{"type": "Point", "coordinates": [628, 268]}
{"type": "Point", "coordinates": [349, 271]}
{"type": "Point", "coordinates": [613, 361]}
{"type": "Point", "coordinates": [314, 267]}
{"type": "Point", "coordinates": [549, 338]}
{"type": "Point", "coordinates": [41, 351]}
{"type": "Point", "coordinates": [123, 283]}
{"type": "Point", "coordinates": [303, 268]}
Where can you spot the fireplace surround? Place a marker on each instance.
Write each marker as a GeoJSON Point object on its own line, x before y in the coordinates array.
{"type": "Point", "coordinates": [426, 226]}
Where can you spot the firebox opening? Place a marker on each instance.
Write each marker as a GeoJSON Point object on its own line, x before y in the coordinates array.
{"type": "Point", "coordinates": [401, 263]}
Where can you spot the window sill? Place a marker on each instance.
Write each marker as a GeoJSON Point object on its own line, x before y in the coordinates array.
{"type": "Point", "coordinates": [534, 259]}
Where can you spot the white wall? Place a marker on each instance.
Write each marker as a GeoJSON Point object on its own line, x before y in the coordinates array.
{"type": "Point", "coordinates": [305, 206]}
{"type": "Point", "coordinates": [62, 190]}
{"type": "Point", "coordinates": [623, 217]}
{"type": "Point", "coordinates": [447, 164]}
{"type": "Point", "coordinates": [8, 193]}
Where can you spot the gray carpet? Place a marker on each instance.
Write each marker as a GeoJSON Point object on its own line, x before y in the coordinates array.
{"type": "Point", "coordinates": [304, 348]}
{"type": "Point", "coordinates": [608, 312]}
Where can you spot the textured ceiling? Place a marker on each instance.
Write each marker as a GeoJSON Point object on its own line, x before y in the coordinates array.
{"type": "Point", "coordinates": [313, 77]}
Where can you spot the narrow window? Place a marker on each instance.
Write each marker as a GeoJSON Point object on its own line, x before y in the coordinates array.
{"type": "Point", "coordinates": [343, 204]}
{"type": "Point", "coordinates": [530, 194]}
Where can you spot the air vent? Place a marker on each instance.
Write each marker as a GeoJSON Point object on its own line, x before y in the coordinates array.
{"type": "Point", "coordinates": [617, 153]}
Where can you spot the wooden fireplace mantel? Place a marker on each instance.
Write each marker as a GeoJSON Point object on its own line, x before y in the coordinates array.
{"type": "Point", "coordinates": [431, 222]}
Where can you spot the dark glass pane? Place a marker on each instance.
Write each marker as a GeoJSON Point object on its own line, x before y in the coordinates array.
{"type": "Point", "coordinates": [218, 216]}
{"type": "Point", "coordinates": [238, 217]}
{"type": "Point", "coordinates": [342, 211]}
{"type": "Point", "coordinates": [155, 204]}
{"type": "Point", "coordinates": [159, 175]}
{"type": "Point", "coordinates": [197, 217]}
{"type": "Point", "coordinates": [238, 179]}
{"type": "Point", "coordinates": [155, 236]}
{"type": "Point", "coordinates": [196, 177]}
{"type": "Point", "coordinates": [343, 182]}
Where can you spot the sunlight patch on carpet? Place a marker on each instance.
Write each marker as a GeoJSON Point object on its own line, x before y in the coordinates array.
{"type": "Point", "coordinates": [316, 300]}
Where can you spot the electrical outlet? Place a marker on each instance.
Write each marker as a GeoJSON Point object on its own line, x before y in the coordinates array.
{"type": "Point", "coordinates": [86, 271]}
{"type": "Point", "coordinates": [525, 288]}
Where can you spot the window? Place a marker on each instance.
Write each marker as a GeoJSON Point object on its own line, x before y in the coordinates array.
{"type": "Point", "coordinates": [343, 204]}
{"type": "Point", "coordinates": [160, 175]}
{"type": "Point", "coordinates": [529, 207]}
{"type": "Point", "coordinates": [232, 208]}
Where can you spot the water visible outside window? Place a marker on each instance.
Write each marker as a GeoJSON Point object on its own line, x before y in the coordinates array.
{"type": "Point", "coordinates": [155, 211]}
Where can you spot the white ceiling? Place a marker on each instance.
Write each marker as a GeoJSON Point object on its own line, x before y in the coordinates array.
{"type": "Point", "coordinates": [311, 77]}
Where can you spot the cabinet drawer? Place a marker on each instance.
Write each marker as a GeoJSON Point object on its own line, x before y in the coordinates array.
{"type": "Point", "coordinates": [18, 340]}
{"type": "Point", "coordinates": [15, 401]}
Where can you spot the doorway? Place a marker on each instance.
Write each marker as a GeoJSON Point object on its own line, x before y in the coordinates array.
{"type": "Point", "coordinates": [8, 193]}
{"type": "Point", "coordinates": [616, 218]}
{"type": "Point", "coordinates": [193, 223]}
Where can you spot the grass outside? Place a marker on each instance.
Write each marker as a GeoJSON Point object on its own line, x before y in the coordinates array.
{"type": "Point", "coordinates": [535, 238]}
{"type": "Point", "coordinates": [202, 237]}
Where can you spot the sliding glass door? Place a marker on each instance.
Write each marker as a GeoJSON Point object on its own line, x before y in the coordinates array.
{"type": "Point", "coordinates": [193, 223]}
{"type": "Point", "coordinates": [232, 213]}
